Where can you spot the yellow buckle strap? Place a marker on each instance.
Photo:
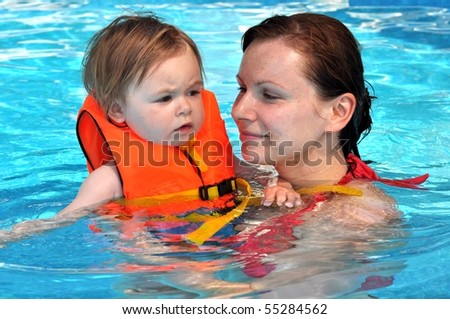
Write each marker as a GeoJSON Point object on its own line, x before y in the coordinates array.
{"type": "Point", "coordinates": [212, 226]}
{"type": "Point", "coordinates": [209, 192]}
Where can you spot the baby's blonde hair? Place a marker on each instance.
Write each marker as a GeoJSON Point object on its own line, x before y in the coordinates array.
{"type": "Point", "coordinates": [123, 52]}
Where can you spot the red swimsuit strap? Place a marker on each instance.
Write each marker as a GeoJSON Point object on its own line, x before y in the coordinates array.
{"type": "Point", "coordinates": [360, 170]}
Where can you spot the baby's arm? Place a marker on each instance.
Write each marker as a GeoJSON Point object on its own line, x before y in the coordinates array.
{"type": "Point", "coordinates": [100, 186]}
{"type": "Point", "coordinates": [280, 191]}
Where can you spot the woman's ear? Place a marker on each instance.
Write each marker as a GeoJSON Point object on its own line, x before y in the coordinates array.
{"type": "Point", "coordinates": [342, 111]}
{"type": "Point", "coordinates": [115, 113]}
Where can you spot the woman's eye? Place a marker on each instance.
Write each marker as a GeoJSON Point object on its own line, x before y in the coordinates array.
{"type": "Point", "coordinates": [269, 96]}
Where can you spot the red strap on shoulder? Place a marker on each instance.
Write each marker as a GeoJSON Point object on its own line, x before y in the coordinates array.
{"type": "Point", "coordinates": [360, 170]}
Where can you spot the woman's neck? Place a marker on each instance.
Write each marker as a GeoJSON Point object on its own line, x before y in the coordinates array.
{"type": "Point", "coordinates": [325, 171]}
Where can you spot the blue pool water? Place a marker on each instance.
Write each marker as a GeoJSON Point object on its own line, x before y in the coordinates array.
{"type": "Point", "coordinates": [406, 51]}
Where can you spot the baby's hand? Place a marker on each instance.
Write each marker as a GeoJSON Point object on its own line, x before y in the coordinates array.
{"type": "Point", "coordinates": [281, 195]}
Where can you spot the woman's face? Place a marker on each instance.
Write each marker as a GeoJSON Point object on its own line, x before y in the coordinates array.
{"type": "Point", "coordinates": [280, 117]}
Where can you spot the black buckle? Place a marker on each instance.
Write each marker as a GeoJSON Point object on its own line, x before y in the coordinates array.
{"type": "Point", "coordinates": [224, 187]}
{"type": "Point", "coordinates": [203, 192]}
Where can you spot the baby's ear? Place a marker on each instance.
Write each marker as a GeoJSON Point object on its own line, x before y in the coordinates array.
{"type": "Point", "coordinates": [343, 108]}
{"type": "Point", "coordinates": [115, 113]}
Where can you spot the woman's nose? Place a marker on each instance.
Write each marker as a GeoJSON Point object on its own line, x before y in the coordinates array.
{"type": "Point", "coordinates": [243, 108]}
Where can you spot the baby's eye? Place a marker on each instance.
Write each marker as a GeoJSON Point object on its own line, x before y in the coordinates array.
{"type": "Point", "coordinates": [194, 93]}
{"type": "Point", "coordinates": [164, 99]}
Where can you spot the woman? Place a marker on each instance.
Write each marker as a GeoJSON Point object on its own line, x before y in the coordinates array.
{"type": "Point", "coordinates": [303, 107]}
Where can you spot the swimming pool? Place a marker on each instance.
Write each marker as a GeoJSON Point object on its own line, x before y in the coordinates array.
{"type": "Point", "coordinates": [406, 51]}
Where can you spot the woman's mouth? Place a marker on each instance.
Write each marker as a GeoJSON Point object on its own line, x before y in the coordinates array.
{"type": "Point", "coordinates": [249, 136]}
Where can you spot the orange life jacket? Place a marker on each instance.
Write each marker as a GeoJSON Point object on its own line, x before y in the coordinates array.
{"type": "Point", "coordinates": [202, 170]}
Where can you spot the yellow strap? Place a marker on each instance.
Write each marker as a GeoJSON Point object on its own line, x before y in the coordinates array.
{"type": "Point", "coordinates": [150, 201]}
{"type": "Point", "coordinates": [339, 189]}
{"type": "Point", "coordinates": [187, 195]}
{"type": "Point", "coordinates": [212, 226]}
{"type": "Point", "coordinates": [189, 148]}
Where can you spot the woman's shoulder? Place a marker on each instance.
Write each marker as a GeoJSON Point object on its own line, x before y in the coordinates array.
{"type": "Point", "coordinates": [373, 207]}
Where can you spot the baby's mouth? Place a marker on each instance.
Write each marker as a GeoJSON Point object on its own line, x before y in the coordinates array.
{"type": "Point", "coordinates": [183, 133]}
{"type": "Point", "coordinates": [186, 128]}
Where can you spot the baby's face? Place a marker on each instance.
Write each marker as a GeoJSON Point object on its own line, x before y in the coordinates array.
{"type": "Point", "coordinates": [166, 107]}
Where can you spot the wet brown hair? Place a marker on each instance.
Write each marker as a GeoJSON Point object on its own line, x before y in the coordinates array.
{"type": "Point", "coordinates": [333, 59]}
{"type": "Point", "coordinates": [122, 53]}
